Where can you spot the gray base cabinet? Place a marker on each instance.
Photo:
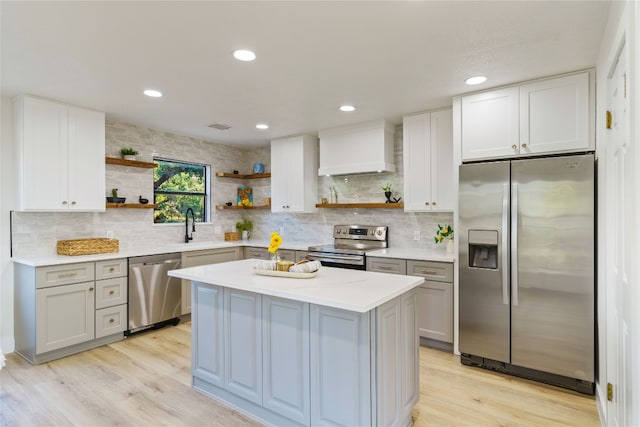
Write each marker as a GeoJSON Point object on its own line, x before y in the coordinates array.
{"type": "Point", "coordinates": [61, 310]}
{"type": "Point", "coordinates": [203, 257]}
{"type": "Point", "coordinates": [300, 364]}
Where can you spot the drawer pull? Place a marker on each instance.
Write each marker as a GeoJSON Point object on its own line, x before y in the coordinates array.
{"type": "Point", "coordinates": [111, 270]}
{"type": "Point", "coordinates": [111, 320]}
{"type": "Point", "coordinates": [111, 292]}
{"type": "Point", "coordinates": [429, 272]}
{"type": "Point", "coordinates": [63, 275]}
{"type": "Point", "coordinates": [384, 268]}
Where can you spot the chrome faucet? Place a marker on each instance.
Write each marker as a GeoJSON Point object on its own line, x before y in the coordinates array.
{"type": "Point", "coordinates": [186, 225]}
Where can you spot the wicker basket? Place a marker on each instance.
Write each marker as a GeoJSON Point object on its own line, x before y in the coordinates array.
{"type": "Point", "coordinates": [88, 246]}
{"type": "Point", "coordinates": [231, 236]}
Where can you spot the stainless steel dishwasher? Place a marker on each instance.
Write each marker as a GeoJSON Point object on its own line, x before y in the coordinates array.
{"type": "Point", "coordinates": [155, 299]}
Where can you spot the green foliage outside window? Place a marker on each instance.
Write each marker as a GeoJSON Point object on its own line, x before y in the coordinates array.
{"type": "Point", "coordinates": [178, 186]}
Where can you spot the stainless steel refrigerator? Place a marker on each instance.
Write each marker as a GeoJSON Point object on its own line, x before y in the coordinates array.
{"type": "Point", "coordinates": [527, 268]}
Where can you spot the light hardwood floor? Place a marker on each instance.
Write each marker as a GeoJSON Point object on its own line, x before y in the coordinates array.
{"type": "Point", "coordinates": [145, 381]}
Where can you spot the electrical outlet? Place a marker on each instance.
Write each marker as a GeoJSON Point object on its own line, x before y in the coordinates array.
{"type": "Point", "coordinates": [109, 234]}
{"type": "Point", "coordinates": [217, 229]}
{"type": "Point", "coordinates": [281, 230]}
{"type": "Point", "coordinates": [416, 235]}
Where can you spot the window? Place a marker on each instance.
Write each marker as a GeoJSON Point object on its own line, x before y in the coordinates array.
{"type": "Point", "coordinates": [178, 186]}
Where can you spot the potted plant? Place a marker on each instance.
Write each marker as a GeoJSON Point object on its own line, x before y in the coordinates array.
{"type": "Point", "coordinates": [128, 153]}
{"type": "Point", "coordinates": [244, 228]}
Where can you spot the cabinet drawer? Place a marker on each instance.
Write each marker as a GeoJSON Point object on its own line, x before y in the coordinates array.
{"type": "Point", "coordinates": [438, 271]}
{"type": "Point", "coordinates": [111, 268]}
{"type": "Point", "coordinates": [387, 265]}
{"type": "Point", "coordinates": [287, 255]}
{"type": "Point", "coordinates": [111, 292]}
{"type": "Point", "coordinates": [64, 274]}
{"type": "Point", "coordinates": [111, 320]}
{"type": "Point", "coordinates": [259, 253]}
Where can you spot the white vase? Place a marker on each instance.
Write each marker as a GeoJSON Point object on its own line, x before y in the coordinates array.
{"type": "Point", "coordinates": [129, 157]}
{"type": "Point", "coordinates": [246, 234]}
{"type": "Point", "coordinates": [450, 246]}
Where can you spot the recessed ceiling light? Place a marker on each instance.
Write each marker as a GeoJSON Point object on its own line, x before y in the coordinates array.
{"type": "Point", "coordinates": [153, 93]}
{"type": "Point", "coordinates": [475, 80]}
{"type": "Point", "coordinates": [262, 126]}
{"type": "Point", "coordinates": [347, 108]}
{"type": "Point", "coordinates": [244, 55]}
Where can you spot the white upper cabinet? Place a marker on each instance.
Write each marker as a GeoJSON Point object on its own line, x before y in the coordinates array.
{"type": "Point", "coordinates": [542, 117]}
{"type": "Point", "coordinates": [60, 156]}
{"type": "Point", "coordinates": [428, 161]}
{"type": "Point", "coordinates": [294, 174]}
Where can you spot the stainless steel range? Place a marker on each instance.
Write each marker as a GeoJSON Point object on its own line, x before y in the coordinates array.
{"type": "Point", "coordinates": [350, 245]}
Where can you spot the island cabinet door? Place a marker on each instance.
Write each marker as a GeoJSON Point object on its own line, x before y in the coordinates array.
{"type": "Point", "coordinates": [285, 343]}
{"type": "Point", "coordinates": [396, 359]}
{"type": "Point", "coordinates": [340, 358]}
{"type": "Point", "coordinates": [243, 344]}
{"type": "Point", "coordinates": [207, 329]}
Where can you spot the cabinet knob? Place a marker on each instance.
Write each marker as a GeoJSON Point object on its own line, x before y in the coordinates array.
{"type": "Point", "coordinates": [426, 203]}
{"type": "Point", "coordinates": [433, 203]}
{"type": "Point", "coordinates": [524, 145]}
{"type": "Point", "coordinates": [111, 320]}
{"type": "Point", "coordinates": [64, 202]}
{"type": "Point", "coordinates": [111, 269]}
{"type": "Point", "coordinates": [111, 292]}
{"type": "Point", "coordinates": [90, 289]}
{"type": "Point", "coordinates": [514, 146]}
{"type": "Point", "coordinates": [73, 202]}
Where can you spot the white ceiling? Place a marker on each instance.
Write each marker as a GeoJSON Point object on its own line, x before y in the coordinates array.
{"type": "Point", "coordinates": [387, 58]}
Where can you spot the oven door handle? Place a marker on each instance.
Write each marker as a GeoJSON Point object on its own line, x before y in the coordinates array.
{"type": "Point", "coordinates": [345, 259]}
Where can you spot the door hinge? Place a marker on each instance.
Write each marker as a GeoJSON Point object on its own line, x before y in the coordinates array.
{"type": "Point", "coordinates": [609, 119]}
{"type": "Point", "coordinates": [610, 392]}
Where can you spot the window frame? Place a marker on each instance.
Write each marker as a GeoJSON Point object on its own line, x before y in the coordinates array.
{"type": "Point", "coordinates": [206, 218]}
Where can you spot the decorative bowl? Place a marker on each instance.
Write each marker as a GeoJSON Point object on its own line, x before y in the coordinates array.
{"type": "Point", "coordinates": [116, 199]}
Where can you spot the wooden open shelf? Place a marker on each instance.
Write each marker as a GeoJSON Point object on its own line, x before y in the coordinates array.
{"type": "Point", "coordinates": [360, 205]}
{"type": "Point", "coordinates": [234, 207]}
{"type": "Point", "coordinates": [238, 176]}
{"type": "Point", "coordinates": [132, 205]}
{"type": "Point", "coordinates": [134, 163]}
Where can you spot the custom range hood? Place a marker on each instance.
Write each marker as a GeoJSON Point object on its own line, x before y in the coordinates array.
{"type": "Point", "coordinates": [355, 149]}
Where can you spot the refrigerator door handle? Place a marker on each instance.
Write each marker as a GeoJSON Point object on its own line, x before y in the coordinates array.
{"type": "Point", "coordinates": [505, 244]}
{"type": "Point", "coordinates": [514, 244]}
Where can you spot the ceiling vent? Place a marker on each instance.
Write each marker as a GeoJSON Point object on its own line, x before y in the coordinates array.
{"type": "Point", "coordinates": [219, 126]}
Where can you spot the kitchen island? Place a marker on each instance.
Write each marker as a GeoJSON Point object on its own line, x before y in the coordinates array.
{"type": "Point", "coordinates": [337, 349]}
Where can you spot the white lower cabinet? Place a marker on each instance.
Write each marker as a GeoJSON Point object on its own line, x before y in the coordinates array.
{"type": "Point", "coordinates": [64, 316]}
{"type": "Point", "coordinates": [203, 257]}
{"type": "Point", "coordinates": [299, 364]}
{"type": "Point", "coordinates": [64, 309]}
{"type": "Point", "coordinates": [435, 299]}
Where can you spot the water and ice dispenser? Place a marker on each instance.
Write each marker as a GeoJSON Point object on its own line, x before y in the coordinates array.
{"type": "Point", "coordinates": [483, 249]}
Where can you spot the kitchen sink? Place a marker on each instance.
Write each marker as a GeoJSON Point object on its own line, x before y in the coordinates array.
{"type": "Point", "coordinates": [197, 245]}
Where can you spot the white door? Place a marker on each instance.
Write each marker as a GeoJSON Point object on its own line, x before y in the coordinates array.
{"type": "Point", "coordinates": [554, 115]}
{"type": "Point", "coordinates": [86, 160]}
{"type": "Point", "coordinates": [490, 125]}
{"type": "Point", "coordinates": [416, 138]}
{"type": "Point", "coordinates": [44, 167]}
{"type": "Point", "coordinates": [442, 194]}
{"type": "Point", "coordinates": [621, 250]}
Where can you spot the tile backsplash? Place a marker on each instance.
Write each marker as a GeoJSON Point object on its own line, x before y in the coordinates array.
{"type": "Point", "coordinates": [34, 234]}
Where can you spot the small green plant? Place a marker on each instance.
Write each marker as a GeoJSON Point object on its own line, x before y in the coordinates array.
{"type": "Point", "coordinates": [114, 192]}
{"type": "Point", "coordinates": [128, 151]}
{"type": "Point", "coordinates": [386, 187]}
{"type": "Point", "coordinates": [244, 225]}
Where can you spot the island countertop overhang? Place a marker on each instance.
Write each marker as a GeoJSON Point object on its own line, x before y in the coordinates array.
{"type": "Point", "coordinates": [353, 290]}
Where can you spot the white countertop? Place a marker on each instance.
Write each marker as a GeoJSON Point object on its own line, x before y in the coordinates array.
{"type": "Point", "coordinates": [353, 290]}
{"type": "Point", "coordinates": [401, 253]}
{"type": "Point", "coordinates": [415, 254]}
{"type": "Point", "coordinates": [169, 248]}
